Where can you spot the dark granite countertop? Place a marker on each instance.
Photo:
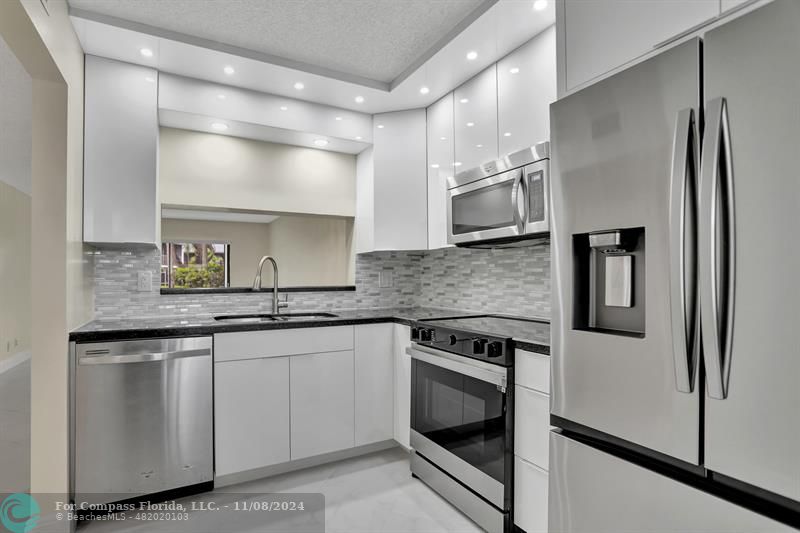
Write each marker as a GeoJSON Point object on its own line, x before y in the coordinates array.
{"type": "Point", "coordinates": [135, 328]}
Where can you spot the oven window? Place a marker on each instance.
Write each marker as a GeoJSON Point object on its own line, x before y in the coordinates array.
{"type": "Point", "coordinates": [461, 414]}
{"type": "Point", "coordinates": [483, 209]}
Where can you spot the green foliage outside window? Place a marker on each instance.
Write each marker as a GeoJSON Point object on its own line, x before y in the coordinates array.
{"type": "Point", "coordinates": [201, 276]}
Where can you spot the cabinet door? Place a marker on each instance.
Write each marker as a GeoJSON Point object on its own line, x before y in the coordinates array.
{"type": "Point", "coordinates": [322, 403]}
{"type": "Point", "coordinates": [530, 497]}
{"type": "Point", "coordinates": [440, 165]}
{"type": "Point", "coordinates": [402, 385]}
{"type": "Point", "coordinates": [251, 407]}
{"type": "Point", "coordinates": [601, 36]}
{"type": "Point", "coordinates": [531, 426]}
{"type": "Point", "coordinates": [475, 112]}
{"type": "Point", "coordinates": [120, 163]}
{"type": "Point", "coordinates": [526, 86]}
{"type": "Point", "coordinates": [374, 383]}
{"type": "Point", "coordinates": [400, 182]}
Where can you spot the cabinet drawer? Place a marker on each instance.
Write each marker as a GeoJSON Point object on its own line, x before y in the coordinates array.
{"type": "Point", "coordinates": [530, 497]}
{"type": "Point", "coordinates": [531, 426]}
{"type": "Point", "coordinates": [532, 370]}
{"type": "Point", "coordinates": [275, 343]}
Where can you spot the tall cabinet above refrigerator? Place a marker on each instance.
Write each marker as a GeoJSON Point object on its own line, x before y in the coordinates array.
{"type": "Point", "coordinates": [676, 327]}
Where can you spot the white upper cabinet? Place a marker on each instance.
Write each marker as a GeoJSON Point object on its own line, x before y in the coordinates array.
{"type": "Point", "coordinates": [526, 86]}
{"type": "Point", "coordinates": [441, 157]}
{"type": "Point", "coordinates": [475, 113]}
{"type": "Point", "coordinates": [601, 36]}
{"type": "Point", "coordinates": [120, 165]}
{"type": "Point", "coordinates": [392, 206]}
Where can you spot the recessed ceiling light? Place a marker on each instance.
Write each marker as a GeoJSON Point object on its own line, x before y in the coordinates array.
{"type": "Point", "coordinates": [457, 164]}
{"type": "Point", "coordinates": [470, 124]}
{"type": "Point", "coordinates": [299, 86]}
{"type": "Point", "coordinates": [321, 142]}
{"type": "Point", "coordinates": [146, 52]}
{"type": "Point", "coordinates": [358, 137]}
{"type": "Point", "coordinates": [284, 108]}
{"type": "Point", "coordinates": [472, 55]}
{"type": "Point", "coordinates": [228, 70]}
{"type": "Point", "coordinates": [478, 146]}
{"type": "Point", "coordinates": [435, 165]}
{"type": "Point", "coordinates": [221, 96]}
{"type": "Point", "coordinates": [338, 118]}
{"type": "Point", "coordinates": [514, 70]}
{"type": "Point", "coordinates": [464, 100]}
{"type": "Point", "coordinates": [380, 126]}
{"type": "Point", "coordinates": [539, 5]}
{"type": "Point", "coordinates": [151, 79]}
{"type": "Point", "coordinates": [507, 134]}
{"type": "Point", "coordinates": [359, 99]}
{"type": "Point", "coordinates": [424, 90]}
{"type": "Point", "coordinates": [219, 126]}
{"type": "Point", "coordinates": [442, 138]}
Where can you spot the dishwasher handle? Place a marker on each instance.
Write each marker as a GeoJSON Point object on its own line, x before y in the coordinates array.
{"type": "Point", "coordinates": [142, 357]}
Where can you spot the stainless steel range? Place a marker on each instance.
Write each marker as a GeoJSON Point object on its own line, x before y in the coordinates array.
{"type": "Point", "coordinates": [462, 412]}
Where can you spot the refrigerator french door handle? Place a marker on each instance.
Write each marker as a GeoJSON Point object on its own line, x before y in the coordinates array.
{"type": "Point", "coordinates": [519, 218]}
{"type": "Point", "coordinates": [684, 161]}
{"type": "Point", "coordinates": [717, 253]}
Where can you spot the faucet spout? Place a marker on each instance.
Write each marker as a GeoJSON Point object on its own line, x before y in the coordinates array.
{"type": "Point", "coordinates": [276, 306]}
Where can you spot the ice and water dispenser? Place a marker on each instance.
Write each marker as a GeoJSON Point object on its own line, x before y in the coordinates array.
{"type": "Point", "coordinates": [610, 281]}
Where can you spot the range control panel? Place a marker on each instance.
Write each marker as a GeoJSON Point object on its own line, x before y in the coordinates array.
{"type": "Point", "coordinates": [489, 348]}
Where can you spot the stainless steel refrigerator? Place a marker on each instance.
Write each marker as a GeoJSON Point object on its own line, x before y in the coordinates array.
{"type": "Point", "coordinates": [676, 324]}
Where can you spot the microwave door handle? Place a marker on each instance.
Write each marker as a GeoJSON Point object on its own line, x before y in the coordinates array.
{"type": "Point", "coordinates": [519, 218]}
{"type": "Point", "coordinates": [682, 256]}
{"type": "Point", "coordinates": [717, 253]}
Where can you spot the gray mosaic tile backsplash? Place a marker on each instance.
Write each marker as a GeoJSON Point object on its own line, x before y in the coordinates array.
{"type": "Point", "coordinates": [514, 281]}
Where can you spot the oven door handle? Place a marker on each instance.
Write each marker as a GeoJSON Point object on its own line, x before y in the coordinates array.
{"type": "Point", "coordinates": [474, 369]}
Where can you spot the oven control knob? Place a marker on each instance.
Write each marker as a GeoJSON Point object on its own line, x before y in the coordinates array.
{"type": "Point", "coordinates": [495, 349]}
{"type": "Point", "coordinates": [452, 340]}
{"type": "Point", "coordinates": [425, 335]}
{"type": "Point", "coordinates": [478, 345]}
{"type": "Point", "coordinates": [415, 334]}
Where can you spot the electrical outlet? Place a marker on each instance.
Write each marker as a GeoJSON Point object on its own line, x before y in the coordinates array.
{"type": "Point", "coordinates": [144, 281]}
{"type": "Point", "coordinates": [385, 278]}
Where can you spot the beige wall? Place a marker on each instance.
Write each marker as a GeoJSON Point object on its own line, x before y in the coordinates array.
{"type": "Point", "coordinates": [16, 88]}
{"type": "Point", "coordinates": [208, 170]}
{"type": "Point", "coordinates": [311, 251]}
{"type": "Point", "coordinates": [61, 297]}
{"type": "Point", "coordinates": [249, 241]}
{"type": "Point", "coordinates": [15, 273]}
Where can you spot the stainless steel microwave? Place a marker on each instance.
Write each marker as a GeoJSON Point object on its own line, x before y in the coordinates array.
{"type": "Point", "coordinates": [503, 202]}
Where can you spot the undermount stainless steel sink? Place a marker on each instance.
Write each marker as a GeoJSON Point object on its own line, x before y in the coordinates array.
{"type": "Point", "coordinates": [283, 317]}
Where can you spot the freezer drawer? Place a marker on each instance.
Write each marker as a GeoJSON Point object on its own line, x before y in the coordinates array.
{"type": "Point", "coordinates": [594, 492]}
{"type": "Point", "coordinates": [143, 417]}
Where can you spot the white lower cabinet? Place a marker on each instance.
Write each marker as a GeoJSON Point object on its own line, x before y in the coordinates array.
{"type": "Point", "coordinates": [402, 385]}
{"type": "Point", "coordinates": [321, 387]}
{"type": "Point", "coordinates": [374, 382]}
{"type": "Point", "coordinates": [532, 426]}
{"type": "Point", "coordinates": [251, 408]}
{"type": "Point", "coordinates": [530, 496]}
{"type": "Point", "coordinates": [531, 440]}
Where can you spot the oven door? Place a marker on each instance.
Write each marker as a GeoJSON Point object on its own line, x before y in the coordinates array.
{"type": "Point", "coordinates": [460, 420]}
{"type": "Point", "coordinates": [489, 208]}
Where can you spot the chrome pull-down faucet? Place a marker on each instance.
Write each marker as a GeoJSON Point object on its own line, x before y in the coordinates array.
{"type": "Point", "coordinates": [276, 305]}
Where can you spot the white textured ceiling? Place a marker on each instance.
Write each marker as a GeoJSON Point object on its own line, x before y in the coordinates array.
{"type": "Point", "coordinates": [373, 39]}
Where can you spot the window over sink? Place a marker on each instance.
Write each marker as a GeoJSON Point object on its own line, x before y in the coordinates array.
{"type": "Point", "coordinates": [195, 265]}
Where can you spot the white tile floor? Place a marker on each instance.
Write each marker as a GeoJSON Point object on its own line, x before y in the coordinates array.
{"type": "Point", "coordinates": [373, 493]}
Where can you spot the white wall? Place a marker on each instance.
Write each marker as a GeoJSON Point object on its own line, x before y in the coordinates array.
{"type": "Point", "coordinates": [208, 170]}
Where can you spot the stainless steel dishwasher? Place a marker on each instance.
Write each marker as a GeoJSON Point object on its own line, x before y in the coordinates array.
{"type": "Point", "coordinates": [143, 417]}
